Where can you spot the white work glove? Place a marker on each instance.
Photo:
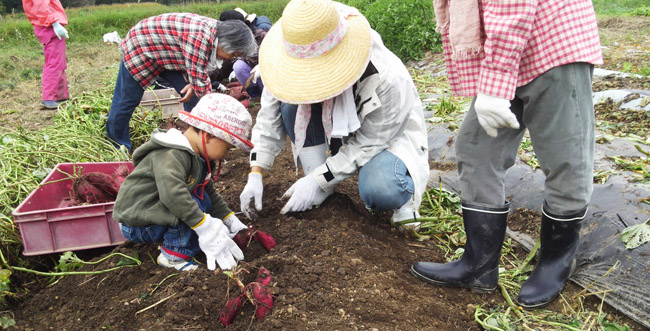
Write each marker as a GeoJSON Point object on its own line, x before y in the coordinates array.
{"type": "Point", "coordinates": [232, 77]}
{"type": "Point", "coordinates": [60, 31]}
{"type": "Point", "coordinates": [222, 88]}
{"type": "Point", "coordinates": [303, 194]}
{"type": "Point", "coordinates": [234, 225]}
{"type": "Point", "coordinates": [215, 242]}
{"type": "Point", "coordinates": [494, 113]}
{"type": "Point", "coordinates": [255, 72]}
{"type": "Point", "coordinates": [253, 190]}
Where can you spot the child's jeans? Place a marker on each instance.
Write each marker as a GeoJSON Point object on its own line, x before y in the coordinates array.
{"type": "Point", "coordinates": [178, 243]}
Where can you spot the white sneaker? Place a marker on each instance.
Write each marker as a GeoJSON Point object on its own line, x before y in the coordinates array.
{"type": "Point", "coordinates": [405, 218]}
{"type": "Point", "coordinates": [185, 265]}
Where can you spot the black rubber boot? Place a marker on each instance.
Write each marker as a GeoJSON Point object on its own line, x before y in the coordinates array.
{"type": "Point", "coordinates": [478, 268]}
{"type": "Point", "coordinates": [559, 238]}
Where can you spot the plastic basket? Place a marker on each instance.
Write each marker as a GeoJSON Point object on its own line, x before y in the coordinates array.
{"type": "Point", "coordinates": [48, 224]}
{"type": "Point", "coordinates": [164, 99]}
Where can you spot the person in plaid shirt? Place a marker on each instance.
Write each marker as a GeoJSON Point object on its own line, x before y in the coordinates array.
{"type": "Point", "coordinates": [528, 65]}
{"type": "Point", "coordinates": [182, 48]}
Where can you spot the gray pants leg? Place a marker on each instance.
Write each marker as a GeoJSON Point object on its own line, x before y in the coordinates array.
{"type": "Point", "coordinates": [558, 111]}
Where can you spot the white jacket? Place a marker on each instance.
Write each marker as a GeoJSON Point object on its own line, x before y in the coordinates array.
{"type": "Point", "coordinates": [391, 117]}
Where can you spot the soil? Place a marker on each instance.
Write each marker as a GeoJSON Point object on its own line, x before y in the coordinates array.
{"type": "Point", "coordinates": [334, 268]}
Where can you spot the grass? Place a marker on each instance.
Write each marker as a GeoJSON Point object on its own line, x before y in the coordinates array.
{"type": "Point", "coordinates": [621, 7]}
{"type": "Point", "coordinates": [89, 24]}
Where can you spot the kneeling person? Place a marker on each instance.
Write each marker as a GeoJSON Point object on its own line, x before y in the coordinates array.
{"type": "Point", "coordinates": [170, 198]}
{"type": "Point", "coordinates": [348, 105]}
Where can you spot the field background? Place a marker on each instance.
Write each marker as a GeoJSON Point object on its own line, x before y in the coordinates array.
{"type": "Point", "coordinates": [405, 26]}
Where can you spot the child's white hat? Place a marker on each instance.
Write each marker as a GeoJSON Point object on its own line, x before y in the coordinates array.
{"type": "Point", "coordinates": [223, 117]}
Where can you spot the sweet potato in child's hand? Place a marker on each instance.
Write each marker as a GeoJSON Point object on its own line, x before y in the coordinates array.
{"type": "Point", "coordinates": [266, 240]}
{"type": "Point", "coordinates": [244, 237]}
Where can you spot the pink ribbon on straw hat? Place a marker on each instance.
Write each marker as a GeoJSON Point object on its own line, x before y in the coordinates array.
{"type": "Point", "coordinates": [317, 48]}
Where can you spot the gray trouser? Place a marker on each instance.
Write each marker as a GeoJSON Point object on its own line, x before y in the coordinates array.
{"type": "Point", "coordinates": [557, 109]}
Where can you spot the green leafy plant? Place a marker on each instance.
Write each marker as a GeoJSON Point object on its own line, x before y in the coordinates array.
{"type": "Point", "coordinates": [636, 235]}
{"type": "Point", "coordinates": [527, 154]}
{"type": "Point", "coordinates": [405, 26]}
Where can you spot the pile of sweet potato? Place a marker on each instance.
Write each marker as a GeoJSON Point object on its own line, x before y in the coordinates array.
{"type": "Point", "coordinates": [97, 187]}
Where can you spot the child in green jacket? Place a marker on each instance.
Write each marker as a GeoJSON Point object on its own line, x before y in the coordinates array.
{"type": "Point", "coordinates": [170, 198]}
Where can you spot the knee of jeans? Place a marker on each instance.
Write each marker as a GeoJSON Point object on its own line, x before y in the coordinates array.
{"type": "Point", "coordinates": [381, 194]}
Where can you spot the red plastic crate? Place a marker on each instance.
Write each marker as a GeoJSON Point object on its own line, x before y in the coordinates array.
{"type": "Point", "coordinates": [49, 225]}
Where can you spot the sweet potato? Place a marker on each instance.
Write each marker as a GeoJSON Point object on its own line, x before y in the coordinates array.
{"type": "Point", "coordinates": [266, 240]}
{"type": "Point", "coordinates": [264, 276]}
{"type": "Point", "coordinates": [103, 181]}
{"type": "Point", "coordinates": [246, 103]}
{"type": "Point", "coordinates": [263, 300]}
{"type": "Point", "coordinates": [83, 191]}
{"type": "Point", "coordinates": [241, 240]}
{"type": "Point", "coordinates": [120, 174]}
{"type": "Point", "coordinates": [232, 308]}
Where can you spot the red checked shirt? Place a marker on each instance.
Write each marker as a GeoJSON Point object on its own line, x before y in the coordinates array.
{"type": "Point", "coordinates": [524, 39]}
{"type": "Point", "coordinates": [176, 41]}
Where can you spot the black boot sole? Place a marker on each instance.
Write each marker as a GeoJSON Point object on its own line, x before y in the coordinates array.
{"type": "Point", "coordinates": [474, 289]}
{"type": "Point", "coordinates": [538, 305]}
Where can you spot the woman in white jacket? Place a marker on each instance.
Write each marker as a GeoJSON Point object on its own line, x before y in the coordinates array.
{"type": "Point", "coordinates": [347, 104]}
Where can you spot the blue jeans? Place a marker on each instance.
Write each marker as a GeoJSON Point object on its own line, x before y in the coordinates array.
{"type": "Point", "coordinates": [384, 181]}
{"type": "Point", "coordinates": [127, 96]}
{"type": "Point", "coordinates": [178, 242]}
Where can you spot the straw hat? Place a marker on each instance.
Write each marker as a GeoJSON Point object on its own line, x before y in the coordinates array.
{"type": "Point", "coordinates": [312, 54]}
{"type": "Point", "coordinates": [223, 117]}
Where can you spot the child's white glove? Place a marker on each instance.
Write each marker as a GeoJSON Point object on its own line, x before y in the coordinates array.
{"type": "Point", "coordinates": [215, 242]}
{"type": "Point", "coordinates": [232, 77]}
{"type": "Point", "coordinates": [494, 113]}
{"type": "Point", "coordinates": [234, 225]}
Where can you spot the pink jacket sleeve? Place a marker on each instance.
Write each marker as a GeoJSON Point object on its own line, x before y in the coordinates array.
{"type": "Point", "coordinates": [44, 12]}
{"type": "Point", "coordinates": [508, 27]}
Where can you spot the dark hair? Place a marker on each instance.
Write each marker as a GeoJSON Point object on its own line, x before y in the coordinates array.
{"type": "Point", "coordinates": [231, 15]}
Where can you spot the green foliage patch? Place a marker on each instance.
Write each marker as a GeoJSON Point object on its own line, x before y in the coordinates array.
{"type": "Point", "coordinates": [406, 26]}
{"type": "Point", "coordinates": [619, 7]}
